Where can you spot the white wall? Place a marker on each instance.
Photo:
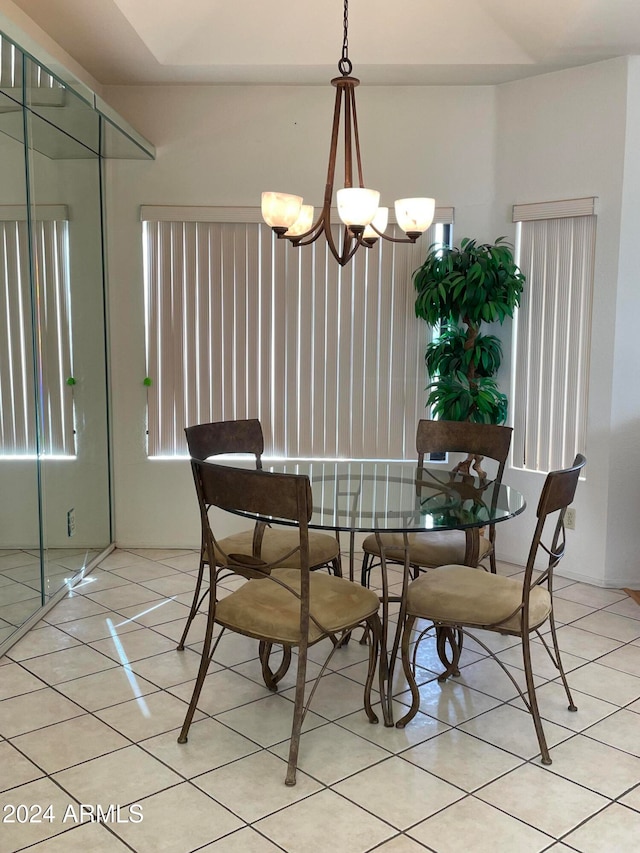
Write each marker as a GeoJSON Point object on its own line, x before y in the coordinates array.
{"type": "Point", "coordinates": [567, 135]}
{"type": "Point", "coordinates": [561, 135]}
{"type": "Point", "coordinates": [624, 456]}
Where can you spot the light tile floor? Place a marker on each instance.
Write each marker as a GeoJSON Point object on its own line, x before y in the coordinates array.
{"type": "Point", "coordinates": [20, 584]}
{"type": "Point", "coordinates": [92, 699]}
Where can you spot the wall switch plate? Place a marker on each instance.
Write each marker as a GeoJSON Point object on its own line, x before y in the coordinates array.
{"type": "Point", "coordinates": [570, 518]}
{"type": "Point", "coordinates": [71, 522]}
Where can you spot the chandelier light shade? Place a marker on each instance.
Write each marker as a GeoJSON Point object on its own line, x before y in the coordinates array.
{"type": "Point", "coordinates": [358, 207]}
{"type": "Point", "coordinates": [303, 222]}
{"type": "Point", "coordinates": [415, 215]}
{"type": "Point", "coordinates": [280, 210]}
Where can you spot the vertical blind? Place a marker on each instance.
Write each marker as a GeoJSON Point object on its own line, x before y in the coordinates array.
{"type": "Point", "coordinates": [11, 70]}
{"type": "Point", "coordinates": [240, 324]}
{"type": "Point", "coordinates": [553, 333]}
{"type": "Point", "coordinates": [51, 357]}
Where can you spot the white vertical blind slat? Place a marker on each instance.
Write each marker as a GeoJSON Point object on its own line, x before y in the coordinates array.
{"type": "Point", "coordinates": [308, 363]}
{"type": "Point", "coordinates": [58, 403]}
{"type": "Point", "coordinates": [188, 412]}
{"type": "Point", "coordinates": [374, 415]}
{"type": "Point", "coordinates": [328, 271]}
{"type": "Point", "coordinates": [278, 402]}
{"type": "Point", "coordinates": [202, 352]}
{"type": "Point", "coordinates": [379, 415]}
{"type": "Point", "coordinates": [252, 374]}
{"type": "Point", "coordinates": [319, 336]}
{"type": "Point", "coordinates": [287, 306]}
{"type": "Point", "coordinates": [361, 269]}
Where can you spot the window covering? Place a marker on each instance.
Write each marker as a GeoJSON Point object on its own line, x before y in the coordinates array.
{"type": "Point", "coordinates": [51, 362]}
{"type": "Point", "coordinates": [240, 324]}
{"type": "Point", "coordinates": [553, 335]}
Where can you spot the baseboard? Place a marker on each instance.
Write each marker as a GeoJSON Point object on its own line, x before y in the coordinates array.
{"type": "Point", "coordinates": [605, 583]}
{"type": "Point", "coordinates": [624, 582]}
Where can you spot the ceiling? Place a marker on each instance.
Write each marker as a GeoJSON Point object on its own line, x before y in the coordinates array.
{"type": "Point", "coordinates": [121, 42]}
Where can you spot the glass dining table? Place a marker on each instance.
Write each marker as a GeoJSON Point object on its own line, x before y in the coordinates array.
{"type": "Point", "coordinates": [373, 496]}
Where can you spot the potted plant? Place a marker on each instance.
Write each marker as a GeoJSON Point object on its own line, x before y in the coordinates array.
{"type": "Point", "coordinates": [458, 289]}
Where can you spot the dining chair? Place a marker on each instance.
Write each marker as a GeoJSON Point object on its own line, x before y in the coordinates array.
{"type": "Point", "coordinates": [431, 549]}
{"type": "Point", "coordinates": [246, 437]}
{"type": "Point", "coordinates": [456, 599]}
{"type": "Point", "coordinates": [292, 607]}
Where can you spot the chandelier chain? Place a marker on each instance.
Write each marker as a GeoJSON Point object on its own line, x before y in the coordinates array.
{"type": "Point", "coordinates": [344, 66]}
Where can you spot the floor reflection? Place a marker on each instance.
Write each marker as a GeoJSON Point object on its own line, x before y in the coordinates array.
{"type": "Point", "coordinates": [21, 585]}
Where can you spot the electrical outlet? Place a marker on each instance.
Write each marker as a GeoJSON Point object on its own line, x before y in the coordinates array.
{"type": "Point", "coordinates": [71, 522]}
{"type": "Point", "coordinates": [570, 518]}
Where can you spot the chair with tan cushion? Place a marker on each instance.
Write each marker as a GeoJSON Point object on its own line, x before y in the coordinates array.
{"type": "Point", "coordinates": [276, 545]}
{"type": "Point", "coordinates": [296, 608]}
{"type": "Point", "coordinates": [428, 550]}
{"type": "Point", "coordinates": [457, 599]}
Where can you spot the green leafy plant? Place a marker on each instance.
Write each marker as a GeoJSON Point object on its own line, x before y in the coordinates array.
{"type": "Point", "coordinates": [468, 285]}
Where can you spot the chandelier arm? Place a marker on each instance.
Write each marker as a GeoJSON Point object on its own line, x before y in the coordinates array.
{"type": "Point", "coordinates": [407, 239]}
{"type": "Point", "coordinates": [348, 154]}
{"type": "Point", "coordinates": [312, 234]}
{"type": "Point", "coordinates": [333, 148]}
{"type": "Point", "coordinates": [302, 241]}
{"type": "Point", "coordinates": [351, 95]}
{"type": "Point", "coordinates": [347, 251]}
{"type": "Point", "coordinates": [323, 225]}
{"type": "Point", "coordinates": [350, 246]}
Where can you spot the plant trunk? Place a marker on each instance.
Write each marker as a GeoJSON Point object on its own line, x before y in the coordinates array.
{"type": "Point", "coordinates": [469, 344]}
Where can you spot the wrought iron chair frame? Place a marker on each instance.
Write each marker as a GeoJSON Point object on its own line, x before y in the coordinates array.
{"type": "Point", "coordinates": [285, 496]}
{"type": "Point", "coordinates": [476, 440]}
{"type": "Point", "coordinates": [231, 437]}
{"type": "Point", "coordinates": [557, 493]}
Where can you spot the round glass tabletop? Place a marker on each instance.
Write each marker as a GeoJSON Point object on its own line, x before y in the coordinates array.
{"type": "Point", "coordinates": [364, 496]}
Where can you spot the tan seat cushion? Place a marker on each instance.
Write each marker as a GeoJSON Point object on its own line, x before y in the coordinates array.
{"type": "Point", "coordinates": [466, 596]}
{"type": "Point", "coordinates": [263, 608]}
{"type": "Point", "coordinates": [427, 549]}
{"type": "Point", "coordinates": [276, 542]}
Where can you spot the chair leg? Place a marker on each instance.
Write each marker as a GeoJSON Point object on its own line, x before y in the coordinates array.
{"type": "Point", "coordinates": [366, 569]}
{"type": "Point", "coordinates": [492, 562]}
{"type": "Point", "coordinates": [195, 605]}
{"type": "Point", "coordinates": [298, 715]}
{"type": "Point", "coordinates": [336, 566]}
{"type": "Point", "coordinates": [408, 672]}
{"type": "Point", "coordinates": [271, 678]}
{"type": "Point", "coordinates": [202, 672]}
{"type": "Point", "coordinates": [533, 701]}
{"type": "Point", "coordinates": [556, 648]}
{"type": "Point", "coordinates": [375, 627]}
{"type": "Point", "coordinates": [454, 638]}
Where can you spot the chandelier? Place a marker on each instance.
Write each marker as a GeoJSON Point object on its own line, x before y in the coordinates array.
{"type": "Point", "coordinates": [358, 207]}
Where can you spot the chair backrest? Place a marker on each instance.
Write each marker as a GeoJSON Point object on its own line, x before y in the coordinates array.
{"type": "Point", "coordinates": [487, 440]}
{"type": "Point", "coordinates": [214, 439]}
{"type": "Point", "coordinates": [269, 495]}
{"type": "Point", "coordinates": [557, 493]}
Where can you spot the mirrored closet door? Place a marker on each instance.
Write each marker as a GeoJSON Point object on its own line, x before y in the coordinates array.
{"type": "Point", "coordinates": [55, 502]}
